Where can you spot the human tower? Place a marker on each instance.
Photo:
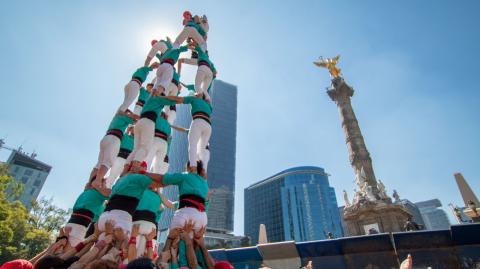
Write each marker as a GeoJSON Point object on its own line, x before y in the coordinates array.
{"type": "Point", "coordinates": [116, 217]}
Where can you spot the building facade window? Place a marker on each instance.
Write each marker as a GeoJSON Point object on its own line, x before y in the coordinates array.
{"type": "Point", "coordinates": [24, 180]}
{"type": "Point", "coordinates": [28, 172]}
{"type": "Point", "coordinates": [32, 191]}
{"type": "Point", "coordinates": [37, 183]}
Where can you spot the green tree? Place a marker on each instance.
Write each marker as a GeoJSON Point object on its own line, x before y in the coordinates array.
{"type": "Point", "coordinates": [44, 215]}
{"type": "Point", "coordinates": [24, 234]}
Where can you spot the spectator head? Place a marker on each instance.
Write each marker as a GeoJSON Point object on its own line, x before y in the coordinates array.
{"type": "Point", "coordinates": [141, 263]}
{"type": "Point", "coordinates": [50, 262]}
{"type": "Point", "coordinates": [17, 264]}
{"type": "Point", "coordinates": [223, 265]}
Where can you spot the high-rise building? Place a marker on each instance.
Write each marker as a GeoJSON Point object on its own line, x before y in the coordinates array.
{"type": "Point", "coordinates": [30, 172]}
{"type": "Point", "coordinates": [433, 216]}
{"type": "Point", "coordinates": [221, 167]}
{"type": "Point", "coordinates": [295, 204]}
{"type": "Point", "coordinates": [413, 210]}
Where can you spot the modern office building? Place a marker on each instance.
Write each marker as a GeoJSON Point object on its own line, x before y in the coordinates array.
{"type": "Point", "coordinates": [413, 209]}
{"type": "Point", "coordinates": [433, 216]}
{"type": "Point", "coordinates": [30, 172]}
{"type": "Point", "coordinates": [221, 167]}
{"type": "Point", "coordinates": [296, 204]}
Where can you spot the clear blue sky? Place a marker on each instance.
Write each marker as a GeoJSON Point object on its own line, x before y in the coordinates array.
{"type": "Point", "coordinates": [413, 64]}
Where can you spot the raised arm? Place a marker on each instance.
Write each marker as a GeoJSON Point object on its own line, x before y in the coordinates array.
{"type": "Point", "coordinates": [132, 243]}
{"type": "Point", "coordinates": [158, 178]}
{"type": "Point", "coordinates": [166, 202]}
{"type": "Point", "coordinates": [180, 129]}
{"type": "Point", "coordinates": [149, 244]}
{"type": "Point", "coordinates": [178, 100]}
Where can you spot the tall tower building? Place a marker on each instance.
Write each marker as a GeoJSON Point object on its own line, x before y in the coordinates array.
{"type": "Point", "coordinates": [296, 204]}
{"type": "Point", "coordinates": [221, 167]}
{"type": "Point", "coordinates": [433, 216]}
{"type": "Point", "coordinates": [30, 172]}
{"type": "Point", "coordinates": [371, 210]}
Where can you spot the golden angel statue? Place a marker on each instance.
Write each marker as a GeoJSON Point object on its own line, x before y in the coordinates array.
{"type": "Point", "coordinates": [330, 64]}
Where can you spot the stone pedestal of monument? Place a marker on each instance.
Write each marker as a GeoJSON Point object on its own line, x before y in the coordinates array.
{"type": "Point", "coordinates": [374, 217]}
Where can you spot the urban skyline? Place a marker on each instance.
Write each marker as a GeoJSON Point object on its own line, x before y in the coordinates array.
{"type": "Point", "coordinates": [403, 88]}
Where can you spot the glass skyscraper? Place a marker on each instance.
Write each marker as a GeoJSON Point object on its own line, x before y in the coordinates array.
{"type": "Point", "coordinates": [295, 204]}
{"type": "Point", "coordinates": [221, 167]}
{"type": "Point", "coordinates": [433, 215]}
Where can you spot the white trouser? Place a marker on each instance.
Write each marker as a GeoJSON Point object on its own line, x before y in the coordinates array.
{"type": "Point", "coordinates": [172, 89]}
{"type": "Point", "coordinates": [145, 227]}
{"type": "Point", "coordinates": [198, 138]}
{"type": "Point", "coordinates": [191, 32]}
{"type": "Point", "coordinates": [164, 76]}
{"type": "Point", "coordinates": [131, 92]}
{"type": "Point", "coordinates": [115, 171]}
{"type": "Point", "coordinates": [205, 158]}
{"type": "Point", "coordinates": [120, 219]}
{"type": "Point", "coordinates": [203, 79]}
{"type": "Point", "coordinates": [186, 214]}
{"type": "Point", "coordinates": [142, 139]}
{"type": "Point", "coordinates": [156, 154]}
{"type": "Point", "coordinates": [137, 110]}
{"type": "Point", "coordinates": [77, 233]}
{"type": "Point", "coordinates": [164, 168]}
{"type": "Point", "coordinates": [159, 46]}
{"type": "Point", "coordinates": [109, 148]}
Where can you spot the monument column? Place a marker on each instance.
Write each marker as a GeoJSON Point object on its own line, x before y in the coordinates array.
{"type": "Point", "coordinates": [372, 210]}
{"type": "Point", "coordinates": [340, 93]}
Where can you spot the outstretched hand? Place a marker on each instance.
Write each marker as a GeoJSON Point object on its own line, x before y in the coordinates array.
{"type": "Point", "coordinates": [151, 234]}
{"type": "Point", "coordinates": [135, 230]}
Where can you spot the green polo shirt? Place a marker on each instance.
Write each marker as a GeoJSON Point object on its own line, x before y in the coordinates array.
{"type": "Point", "coordinates": [187, 183]}
{"type": "Point", "coordinates": [120, 122]}
{"type": "Point", "coordinates": [198, 105]}
{"type": "Point", "coordinates": [143, 96]}
{"type": "Point", "coordinates": [163, 126]}
{"type": "Point", "coordinates": [151, 202]}
{"type": "Point", "coordinates": [173, 54]}
{"type": "Point", "coordinates": [127, 142]}
{"type": "Point", "coordinates": [190, 88]}
{"type": "Point", "coordinates": [203, 56]}
{"type": "Point", "coordinates": [156, 104]}
{"type": "Point", "coordinates": [91, 200]}
{"type": "Point", "coordinates": [142, 73]}
{"type": "Point", "coordinates": [132, 185]}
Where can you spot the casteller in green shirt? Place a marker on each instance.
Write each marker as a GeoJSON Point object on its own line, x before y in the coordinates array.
{"type": "Point", "coordinates": [91, 200]}
{"type": "Point", "coordinates": [142, 73]}
{"type": "Point", "coordinates": [155, 104]}
{"type": "Point", "coordinates": [188, 183]}
{"type": "Point", "coordinates": [151, 202]}
{"type": "Point", "coordinates": [198, 105]}
{"type": "Point", "coordinates": [120, 122]}
{"type": "Point", "coordinates": [132, 185]}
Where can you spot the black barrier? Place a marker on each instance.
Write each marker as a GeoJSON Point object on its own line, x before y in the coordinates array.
{"type": "Point", "coordinates": [429, 248]}
{"type": "Point", "coordinates": [466, 241]}
{"type": "Point", "coordinates": [323, 254]}
{"type": "Point", "coordinates": [458, 247]}
{"type": "Point", "coordinates": [370, 251]}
